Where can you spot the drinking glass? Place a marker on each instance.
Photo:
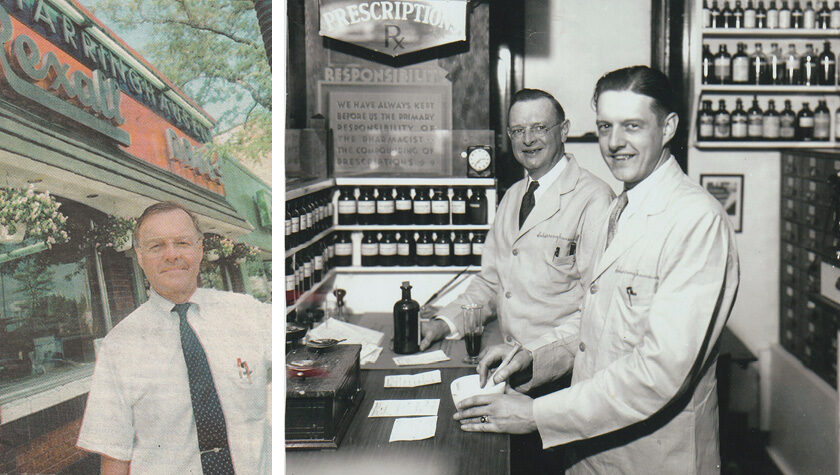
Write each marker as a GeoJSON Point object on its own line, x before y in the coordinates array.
{"type": "Point", "coordinates": [473, 329]}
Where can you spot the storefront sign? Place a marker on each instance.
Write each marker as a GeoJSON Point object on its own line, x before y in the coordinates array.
{"type": "Point", "coordinates": [77, 40]}
{"type": "Point", "coordinates": [395, 28]}
{"type": "Point", "coordinates": [98, 97]}
{"type": "Point", "coordinates": [183, 151]}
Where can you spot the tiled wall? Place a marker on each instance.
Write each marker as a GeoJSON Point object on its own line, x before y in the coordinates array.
{"type": "Point", "coordinates": [44, 442]}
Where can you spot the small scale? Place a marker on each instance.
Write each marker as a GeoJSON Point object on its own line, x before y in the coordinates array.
{"type": "Point", "coordinates": [323, 392]}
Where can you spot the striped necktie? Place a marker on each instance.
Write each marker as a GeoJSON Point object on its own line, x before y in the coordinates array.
{"type": "Point", "coordinates": [207, 410]}
{"type": "Point", "coordinates": [616, 213]}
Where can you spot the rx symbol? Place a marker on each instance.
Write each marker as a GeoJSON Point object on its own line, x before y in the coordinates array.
{"type": "Point", "coordinates": [393, 32]}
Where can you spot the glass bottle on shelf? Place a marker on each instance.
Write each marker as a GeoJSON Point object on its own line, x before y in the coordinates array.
{"type": "Point", "coordinates": [737, 15]}
{"type": "Point", "coordinates": [723, 122]}
{"type": "Point", "coordinates": [749, 15]}
{"type": "Point", "coordinates": [726, 15]}
{"type": "Point", "coordinates": [298, 276]}
{"type": "Point", "coordinates": [326, 250]}
{"type": "Point", "coordinates": [770, 123]}
{"type": "Point", "coordinates": [317, 263]}
{"type": "Point", "coordinates": [796, 16]}
{"type": "Point", "coordinates": [370, 249]}
{"type": "Point", "coordinates": [309, 205]}
{"type": "Point", "coordinates": [835, 16]}
{"type": "Point", "coordinates": [760, 16]}
{"type": "Point", "coordinates": [723, 65]}
{"type": "Point", "coordinates": [346, 206]}
{"type": "Point", "coordinates": [809, 17]}
{"type": "Point", "coordinates": [295, 214]}
{"type": "Point", "coordinates": [477, 207]}
{"type": "Point", "coordinates": [385, 205]}
{"type": "Point", "coordinates": [708, 66]}
{"type": "Point", "coordinates": [422, 206]}
{"type": "Point", "coordinates": [459, 205]}
{"type": "Point", "coordinates": [775, 65]}
{"type": "Point", "coordinates": [805, 123]}
{"type": "Point", "coordinates": [824, 16]}
{"type": "Point", "coordinates": [715, 17]}
{"type": "Point", "coordinates": [288, 228]}
{"type": "Point", "coordinates": [707, 14]}
{"type": "Point", "coordinates": [290, 282]}
{"type": "Point", "coordinates": [755, 121]}
{"type": "Point", "coordinates": [706, 122]}
{"type": "Point", "coordinates": [443, 249]}
{"type": "Point", "coordinates": [837, 125]}
{"type": "Point", "coordinates": [461, 249]}
{"type": "Point", "coordinates": [791, 66]}
{"type": "Point", "coordinates": [759, 68]}
{"type": "Point", "coordinates": [741, 65]}
{"type": "Point", "coordinates": [822, 121]}
{"type": "Point", "coordinates": [388, 249]}
{"type": "Point", "coordinates": [787, 122]}
{"type": "Point", "coordinates": [739, 121]}
{"type": "Point", "coordinates": [772, 15]}
{"type": "Point", "coordinates": [440, 206]}
{"type": "Point", "coordinates": [827, 66]}
{"type": "Point", "coordinates": [425, 249]}
{"type": "Point", "coordinates": [784, 15]}
{"type": "Point", "coordinates": [405, 248]}
{"type": "Point", "coordinates": [808, 67]}
{"type": "Point", "coordinates": [402, 206]}
{"type": "Point", "coordinates": [343, 250]}
{"type": "Point", "coordinates": [478, 247]}
{"type": "Point", "coordinates": [307, 269]}
{"type": "Point", "coordinates": [366, 206]}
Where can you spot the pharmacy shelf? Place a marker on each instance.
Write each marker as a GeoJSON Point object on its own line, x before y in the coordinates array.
{"type": "Point", "coordinates": [412, 227]}
{"type": "Point", "coordinates": [727, 145]}
{"type": "Point", "coordinates": [752, 89]}
{"type": "Point", "coordinates": [415, 181]}
{"type": "Point", "coordinates": [769, 33]}
{"type": "Point", "coordinates": [298, 190]}
{"type": "Point", "coordinates": [404, 269]}
{"type": "Point", "coordinates": [307, 296]}
{"type": "Point", "coordinates": [318, 237]}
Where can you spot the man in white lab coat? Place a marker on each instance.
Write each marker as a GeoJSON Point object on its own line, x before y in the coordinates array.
{"type": "Point", "coordinates": [538, 257]}
{"type": "Point", "coordinates": [643, 396]}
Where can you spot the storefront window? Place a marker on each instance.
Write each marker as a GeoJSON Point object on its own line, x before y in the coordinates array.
{"type": "Point", "coordinates": [255, 280]}
{"type": "Point", "coordinates": [212, 276]}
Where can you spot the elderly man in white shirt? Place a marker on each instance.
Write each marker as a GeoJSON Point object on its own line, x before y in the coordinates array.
{"type": "Point", "coordinates": [180, 383]}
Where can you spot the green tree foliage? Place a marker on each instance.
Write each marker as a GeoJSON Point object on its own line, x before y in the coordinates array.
{"type": "Point", "coordinates": [213, 50]}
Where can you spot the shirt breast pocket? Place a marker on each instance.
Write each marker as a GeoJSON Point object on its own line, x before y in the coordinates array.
{"type": "Point", "coordinates": [637, 292]}
{"type": "Point", "coordinates": [245, 374]}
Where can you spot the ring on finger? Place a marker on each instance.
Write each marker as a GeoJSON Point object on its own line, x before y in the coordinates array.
{"type": "Point", "coordinates": [483, 419]}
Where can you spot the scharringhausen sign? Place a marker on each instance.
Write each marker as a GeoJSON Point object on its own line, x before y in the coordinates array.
{"type": "Point", "coordinates": [394, 28]}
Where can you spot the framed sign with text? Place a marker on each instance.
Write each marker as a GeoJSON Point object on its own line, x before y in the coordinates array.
{"type": "Point", "coordinates": [729, 190]}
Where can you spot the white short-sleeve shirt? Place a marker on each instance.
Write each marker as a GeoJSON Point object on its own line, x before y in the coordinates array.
{"type": "Point", "coordinates": [139, 406]}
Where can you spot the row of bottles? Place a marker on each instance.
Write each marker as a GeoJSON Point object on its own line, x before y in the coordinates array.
{"type": "Point", "coordinates": [767, 124]}
{"type": "Point", "coordinates": [388, 205]}
{"type": "Point", "coordinates": [423, 248]}
{"type": "Point", "coordinates": [307, 216]}
{"type": "Point", "coordinates": [307, 267]}
{"type": "Point", "coordinates": [774, 68]}
{"type": "Point", "coordinates": [813, 16]}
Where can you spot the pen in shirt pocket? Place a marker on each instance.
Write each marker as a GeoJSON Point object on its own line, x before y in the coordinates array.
{"type": "Point", "coordinates": [572, 248]}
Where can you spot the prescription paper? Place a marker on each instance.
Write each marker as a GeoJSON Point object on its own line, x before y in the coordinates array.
{"type": "Point", "coordinates": [404, 407]}
{"type": "Point", "coordinates": [412, 380]}
{"type": "Point", "coordinates": [422, 358]}
{"type": "Point", "coordinates": [413, 428]}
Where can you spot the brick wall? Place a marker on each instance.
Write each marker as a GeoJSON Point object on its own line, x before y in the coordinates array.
{"type": "Point", "coordinates": [119, 279]}
{"type": "Point", "coordinates": [45, 442]}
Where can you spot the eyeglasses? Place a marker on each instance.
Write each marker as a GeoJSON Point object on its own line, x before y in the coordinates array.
{"type": "Point", "coordinates": [158, 247]}
{"type": "Point", "coordinates": [537, 130]}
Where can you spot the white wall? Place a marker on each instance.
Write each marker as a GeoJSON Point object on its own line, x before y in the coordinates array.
{"type": "Point", "coordinates": [571, 43]}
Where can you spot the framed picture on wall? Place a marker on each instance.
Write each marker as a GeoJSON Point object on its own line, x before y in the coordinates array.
{"type": "Point", "coordinates": [729, 190]}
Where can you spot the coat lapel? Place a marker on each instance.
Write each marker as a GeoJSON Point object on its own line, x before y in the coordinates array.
{"type": "Point", "coordinates": [635, 226]}
{"type": "Point", "coordinates": [549, 203]}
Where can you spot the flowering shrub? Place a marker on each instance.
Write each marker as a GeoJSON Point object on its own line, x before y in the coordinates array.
{"type": "Point", "coordinates": [114, 232]}
{"type": "Point", "coordinates": [227, 249]}
{"type": "Point", "coordinates": [37, 211]}
{"type": "Point", "coordinates": [243, 251]}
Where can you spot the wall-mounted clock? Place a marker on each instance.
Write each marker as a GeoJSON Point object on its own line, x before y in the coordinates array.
{"type": "Point", "coordinates": [479, 161]}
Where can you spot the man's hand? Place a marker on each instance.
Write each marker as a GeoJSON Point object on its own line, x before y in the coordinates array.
{"type": "Point", "coordinates": [432, 331]}
{"type": "Point", "coordinates": [510, 413]}
{"type": "Point", "coordinates": [492, 356]}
